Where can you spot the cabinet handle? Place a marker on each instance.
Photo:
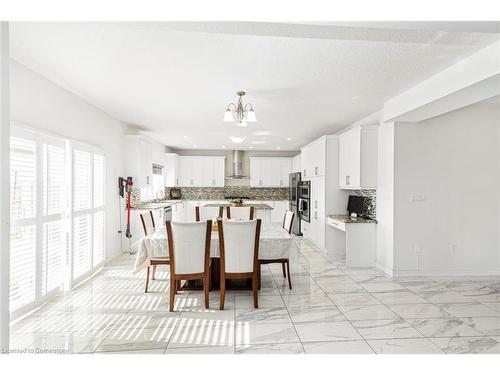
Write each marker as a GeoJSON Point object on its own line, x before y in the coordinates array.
{"type": "Point", "coordinates": [315, 204]}
{"type": "Point", "coordinates": [213, 182]}
{"type": "Point", "coordinates": [177, 182]}
{"type": "Point", "coordinates": [347, 180]}
{"type": "Point", "coordinates": [315, 215]}
{"type": "Point", "coordinates": [304, 173]}
{"type": "Point", "coordinates": [281, 182]}
{"type": "Point", "coordinates": [316, 171]}
{"type": "Point", "coordinates": [260, 182]}
{"type": "Point", "coordinates": [147, 180]}
{"type": "Point", "coordinates": [191, 182]}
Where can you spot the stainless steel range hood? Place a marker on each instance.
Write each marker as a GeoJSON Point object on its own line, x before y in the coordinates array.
{"type": "Point", "coordinates": [238, 164]}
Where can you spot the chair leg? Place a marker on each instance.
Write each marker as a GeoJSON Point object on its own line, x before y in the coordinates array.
{"type": "Point", "coordinates": [172, 293]}
{"type": "Point", "coordinates": [222, 291]}
{"type": "Point", "coordinates": [255, 282]}
{"type": "Point", "coordinates": [206, 286]}
{"type": "Point", "coordinates": [147, 280]}
{"type": "Point", "coordinates": [288, 271]}
{"type": "Point", "coordinates": [260, 275]}
{"type": "Point", "coordinates": [283, 268]}
{"type": "Point", "coordinates": [154, 273]}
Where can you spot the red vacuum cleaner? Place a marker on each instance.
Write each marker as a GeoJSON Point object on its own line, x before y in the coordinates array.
{"type": "Point", "coordinates": [125, 185]}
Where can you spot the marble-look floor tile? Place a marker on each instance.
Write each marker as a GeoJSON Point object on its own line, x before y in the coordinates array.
{"type": "Point", "coordinates": [493, 305]}
{"type": "Point", "coordinates": [467, 345]}
{"type": "Point", "coordinates": [337, 347]}
{"type": "Point", "coordinates": [263, 315]}
{"type": "Point", "coordinates": [315, 299]}
{"type": "Point", "coordinates": [383, 287]}
{"type": "Point", "coordinates": [443, 327]}
{"type": "Point", "coordinates": [398, 297]}
{"type": "Point", "coordinates": [211, 334]}
{"type": "Point", "coordinates": [315, 313]}
{"type": "Point", "coordinates": [326, 331]}
{"type": "Point", "coordinates": [444, 297]}
{"type": "Point", "coordinates": [419, 310]}
{"type": "Point", "coordinates": [488, 325]}
{"type": "Point", "coordinates": [370, 278]}
{"type": "Point", "coordinates": [425, 286]}
{"type": "Point", "coordinates": [356, 299]}
{"type": "Point", "coordinates": [343, 287]}
{"type": "Point", "coordinates": [219, 349]}
{"type": "Point", "coordinates": [470, 309]}
{"type": "Point", "coordinates": [404, 346]}
{"type": "Point", "coordinates": [385, 329]}
{"type": "Point", "coordinates": [367, 312]}
{"type": "Point", "coordinates": [23, 341]}
{"type": "Point", "coordinates": [250, 333]}
{"type": "Point", "coordinates": [245, 301]}
{"type": "Point", "coordinates": [204, 317]}
{"type": "Point", "coordinates": [135, 339]}
{"type": "Point", "coordinates": [281, 348]}
{"type": "Point", "coordinates": [141, 352]}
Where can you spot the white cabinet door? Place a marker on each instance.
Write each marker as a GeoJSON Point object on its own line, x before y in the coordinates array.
{"type": "Point", "coordinates": [186, 172]}
{"type": "Point", "coordinates": [317, 227]}
{"type": "Point", "coordinates": [297, 164]}
{"type": "Point", "coordinates": [218, 174]}
{"type": "Point", "coordinates": [350, 159]}
{"type": "Point", "coordinates": [178, 212]}
{"type": "Point", "coordinates": [285, 170]}
{"type": "Point", "coordinates": [255, 172]}
{"type": "Point", "coordinates": [189, 211]}
{"type": "Point", "coordinates": [317, 160]}
{"type": "Point", "coordinates": [306, 163]}
{"type": "Point", "coordinates": [146, 162]}
{"type": "Point", "coordinates": [171, 170]}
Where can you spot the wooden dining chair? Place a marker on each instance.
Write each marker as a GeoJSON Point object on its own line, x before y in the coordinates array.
{"type": "Point", "coordinates": [208, 213]}
{"type": "Point", "coordinates": [285, 262]}
{"type": "Point", "coordinates": [148, 225]}
{"type": "Point", "coordinates": [239, 254]}
{"type": "Point", "coordinates": [242, 213]}
{"type": "Point", "coordinates": [189, 250]}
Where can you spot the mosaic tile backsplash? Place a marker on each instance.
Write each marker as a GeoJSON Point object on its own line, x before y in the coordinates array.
{"type": "Point", "coordinates": [370, 207]}
{"type": "Point", "coordinates": [218, 193]}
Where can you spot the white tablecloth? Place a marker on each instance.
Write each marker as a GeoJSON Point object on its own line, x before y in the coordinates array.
{"type": "Point", "coordinates": [275, 243]}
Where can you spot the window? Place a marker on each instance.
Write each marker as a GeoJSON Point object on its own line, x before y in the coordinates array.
{"type": "Point", "coordinates": [39, 172]}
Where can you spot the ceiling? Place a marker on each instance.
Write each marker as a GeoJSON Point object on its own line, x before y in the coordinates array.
{"type": "Point", "coordinates": [173, 80]}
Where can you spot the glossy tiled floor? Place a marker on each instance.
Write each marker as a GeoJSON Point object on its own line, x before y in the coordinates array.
{"type": "Point", "coordinates": [331, 309]}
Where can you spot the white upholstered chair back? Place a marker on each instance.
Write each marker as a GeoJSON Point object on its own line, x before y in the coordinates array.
{"type": "Point", "coordinates": [148, 224]}
{"type": "Point", "coordinates": [188, 241]}
{"type": "Point", "coordinates": [288, 220]}
{"type": "Point", "coordinates": [239, 245]}
{"type": "Point", "coordinates": [241, 213]}
{"type": "Point", "coordinates": [208, 213]}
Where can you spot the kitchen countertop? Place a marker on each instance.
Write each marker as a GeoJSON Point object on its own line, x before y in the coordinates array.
{"type": "Point", "coordinates": [345, 218]}
{"type": "Point", "coordinates": [257, 206]}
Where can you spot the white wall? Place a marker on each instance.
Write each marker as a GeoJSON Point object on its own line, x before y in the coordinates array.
{"type": "Point", "coordinates": [41, 104]}
{"type": "Point", "coordinates": [385, 193]}
{"type": "Point", "coordinates": [453, 161]}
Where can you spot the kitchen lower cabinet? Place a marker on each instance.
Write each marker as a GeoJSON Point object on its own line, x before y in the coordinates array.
{"type": "Point", "coordinates": [278, 212]}
{"type": "Point", "coordinates": [178, 211]}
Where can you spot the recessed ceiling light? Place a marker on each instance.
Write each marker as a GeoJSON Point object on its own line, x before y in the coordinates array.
{"type": "Point", "coordinates": [237, 139]}
{"type": "Point", "coordinates": [195, 146]}
{"type": "Point", "coordinates": [356, 97]}
{"type": "Point", "coordinates": [289, 139]}
{"type": "Point", "coordinates": [185, 136]}
{"type": "Point", "coordinates": [223, 146]}
{"type": "Point", "coordinates": [262, 133]}
{"type": "Point", "coordinates": [250, 147]}
{"type": "Point", "coordinates": [278, 148]}
{"type": "Point", "coordinates": [258, 142]}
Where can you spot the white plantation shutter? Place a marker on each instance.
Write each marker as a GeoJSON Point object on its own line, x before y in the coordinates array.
{"type": "Point", "coordinates": [22, 266]}
{"type": "Point", "coordinates": [53, 251]}
{"type": "Point", "coordinates": [23, 194]}
{"type": "Point", "coordinates": [53, 179]}
{"type": "Point", "coordinates": [88, 212]}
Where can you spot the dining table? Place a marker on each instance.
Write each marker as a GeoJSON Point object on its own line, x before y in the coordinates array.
{"type": "Point", "coordinates": [275, 243]}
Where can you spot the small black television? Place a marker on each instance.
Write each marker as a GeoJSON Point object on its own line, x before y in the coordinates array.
{"type": "Point", "coordinates": [355, 204]}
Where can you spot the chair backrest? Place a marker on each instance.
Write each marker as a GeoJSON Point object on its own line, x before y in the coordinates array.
{"type": "Point", "coordinates": [288, 221]}
{"type": "Point", "coordinates": [207, 213]}
{"type": "Point", "coordinates": [148, 223]}
{"type": "Point", "coordinates": [188, 246]}
{"type": "Point", "coordinates": [243, 213]}
{"type": "Point", "coordinates": [239, 245]}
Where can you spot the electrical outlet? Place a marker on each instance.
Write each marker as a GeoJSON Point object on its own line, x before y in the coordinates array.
{"type": "Point", "coordinates": [417, 198]}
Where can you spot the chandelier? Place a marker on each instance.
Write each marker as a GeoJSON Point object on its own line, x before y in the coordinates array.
{"type": "Point", "coordinates": [240, 113]}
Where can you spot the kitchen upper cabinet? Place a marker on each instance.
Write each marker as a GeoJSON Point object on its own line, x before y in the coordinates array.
{"type": "Point", "coordinates": [269, 171]}
{"type": "Point", "coordinates": [313, 159]}
{"type": "Point", "coordinates": [296, 164]}
{"type": "Point", "coordinates": [201, 171]}
{"type": "Point", "coordinates": [139, 160]}
{"type": "Point", "coordinates": [172, 170]}
{"type": "Point", "coordinates": [358, 149]}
